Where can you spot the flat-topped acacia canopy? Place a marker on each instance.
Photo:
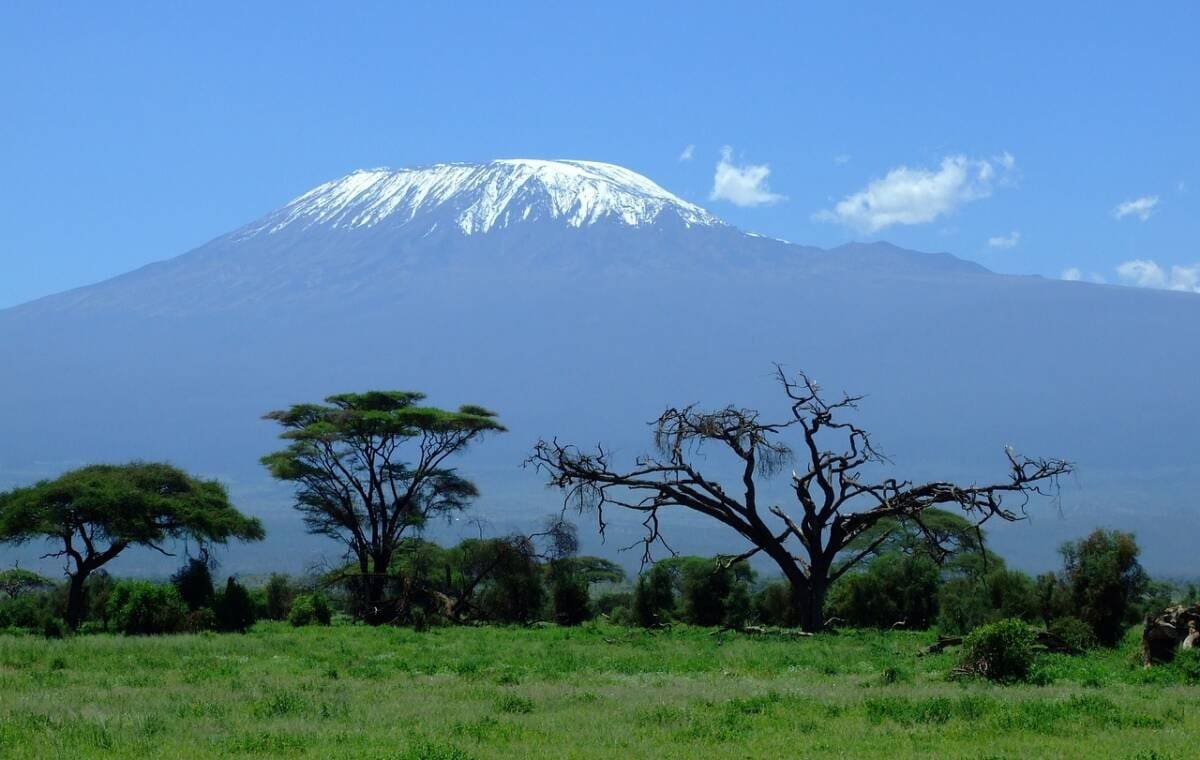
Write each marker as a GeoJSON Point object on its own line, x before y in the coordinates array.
{"type": "Point", "coordinates": [98, 511]}
{"type": "Point", "coordinates": [370, 468]}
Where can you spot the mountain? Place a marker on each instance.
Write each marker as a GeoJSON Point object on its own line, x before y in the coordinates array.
{"type": "Point", "coordinates": [578, 299]}
{"type": "Point", "coordinates": [479, 198]}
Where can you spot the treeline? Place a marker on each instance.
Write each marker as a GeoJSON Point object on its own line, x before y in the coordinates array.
{"type": "Point", "coordinates": [1099, 592]}
{"type": "Point", "coordinates": [370, 471]}
{"type": "Point", "coordinates": [908, 583]}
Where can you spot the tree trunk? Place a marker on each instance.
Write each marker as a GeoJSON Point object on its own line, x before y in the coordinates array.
{"type": "Point", "coordinates": [363, 591]}
{"type": "Point", "coordinates": [809, 604]}
{"type": "Point", "coordinates": [75, 601]}
{"type": "Point", "coordinates": [378, 609]}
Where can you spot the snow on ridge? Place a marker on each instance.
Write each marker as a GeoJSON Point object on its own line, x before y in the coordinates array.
{"type": "Point", "coordinates": [483, 197]}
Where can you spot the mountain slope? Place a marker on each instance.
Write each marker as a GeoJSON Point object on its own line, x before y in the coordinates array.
{"type": "Point", "coordinates": [360, 235]}
{"type": "Point", "coordinates": [584, 317]}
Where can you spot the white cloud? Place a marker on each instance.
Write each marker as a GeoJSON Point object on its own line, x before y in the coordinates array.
{"type": "Point", "coordinates": [919, 196]}
{"type": "Point", "coordinates": [841, 159]}
{"type": "Point", "coordinates": [1148, 274]}
{"type": "Point", "coordinates": [1142, 207]}
{"type": "Point", "coordinates": [688, 153]}
{"type": "Point", "coordinates": [741, 185]}
{"type": "Point", "coordinates": [1075, 274]}
{"type": "Point", "coordinates": [1005, 241]}
{"type": "Point", "coordinates": [1143, 273]}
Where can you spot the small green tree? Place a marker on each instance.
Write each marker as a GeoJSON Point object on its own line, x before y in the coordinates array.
{"type": "Point", "coordinates": [702, 585]}
{"type": "Point", "coordinates": [279, 597]}
{"type": "Point", "coordinates": [234, 609]}
{"type": "Point", "coordinates": [33, 612]}
{"type": "Point", "coordinates": [17, 581]}
{"type": "Point", "coordinates": [616, 605]}
{"type": "Point", "coordinates": [569, 594]}
{"type": "Point", "coordinates": [894, 589]}
{"type": "Point", "coordinates": [370, 469]}
{"type": "Point", "coordinates": [653, 597]}
{"type": "Point", "coordinates": [1105, 582]}
{"type": "Point", "coordinates": [513, 592]}
{"type": "Point", "coordinates": [194, 583]}
{"type": "Point", "coordinates": [1053, 598]}
{"type": "Point", "coordinates": [99, 590]}
{"type": "Point", "coordinates": [738, 607]}
{"type": "Point", "coordinates": [310, 609]}
{"type": "Point", "coordinates": [144, 608]}
{"type": "Point", "coordinates": [96, 512]}
{"type": "Point", "coordinates": [773, 604]}
{"type": "Point", "coordinates": [966, 602]}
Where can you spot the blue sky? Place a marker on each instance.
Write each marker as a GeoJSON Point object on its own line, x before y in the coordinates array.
{"type": "Point", "coordinates": [134, 132]}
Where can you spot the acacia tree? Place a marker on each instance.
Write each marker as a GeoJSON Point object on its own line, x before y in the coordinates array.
{"type": "Point", "coordinates": [97, 512]}
{"type": "Point", "coordinates": [17, 581]}
{"type": "Point", "coordinates": [370, 469]}
{"type": "Point", "coordinates": [837, 502]}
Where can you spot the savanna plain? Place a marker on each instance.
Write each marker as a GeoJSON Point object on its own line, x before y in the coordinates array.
{"type": "Point", "coordinates": [592, 691]}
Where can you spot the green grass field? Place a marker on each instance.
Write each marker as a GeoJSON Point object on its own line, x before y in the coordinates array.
{"type": "Point", "coordinates": [594, 691]}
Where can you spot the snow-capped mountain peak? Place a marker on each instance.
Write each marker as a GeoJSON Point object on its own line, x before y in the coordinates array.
{"type": "Point", "coordinates": [478, 198]}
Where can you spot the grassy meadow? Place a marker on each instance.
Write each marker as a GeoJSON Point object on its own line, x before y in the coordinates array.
{"type": "Point", "coordinates": [588, 692]}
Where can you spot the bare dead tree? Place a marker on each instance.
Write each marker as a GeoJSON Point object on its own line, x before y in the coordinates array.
{"type": "Point", "coordinates": [837, 503]}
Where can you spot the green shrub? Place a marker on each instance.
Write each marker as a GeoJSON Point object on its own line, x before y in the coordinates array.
{"type": "Point", "coordinates": [99, 589]}
{"type": "Point", "coordinates": [894, 588]}
{"type": "Point", "coordinates": [614, 603]}
{"type": "Point", "coordinates": [1187, 665]}
{"type": "Point", "coordinates": [739, 609]}
{"type": "Point", "coordinates": [1001, 651]}
{"type": "Point", "coordinates": [653, 598]}
{"type": "Point", "coordinates": [967, 602]}
{"type": "Point", "coordinates": [773, 604]}
{"type": "Point", "coordinates": [195, 585]}
{"type": "Point", "coordinates": [234, 609]}
{"type": "Point", "coordinates": [28, 611]}
{"type": "Point", "coordinates": [200, 620]}
{"type": "Point", "coordinates": [1075, 632]}
{"type": "Point", "coordinates": [703, 588]}
{"type": "Point", "coordinates": [570, 599]}
{"type": "Point", "coordinates": [54, 628]}
{"type": "Point", "coordinates": [514, 591]}
{"type": "Point", "coordinates": [700, 586]}
{"type": "Point", "coordinates": [310, 609]}
{"type": "Point", "coordinates": [140, 607]}
{"type": "Point", "coordinates": [279, 593]}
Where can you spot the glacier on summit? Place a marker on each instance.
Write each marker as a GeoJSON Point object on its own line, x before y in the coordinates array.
{"type": "Point", "coordinates": [484, 197]}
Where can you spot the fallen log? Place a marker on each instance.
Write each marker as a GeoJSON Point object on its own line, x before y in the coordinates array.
{"type": "Point", "coordinates": [941, 644]}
